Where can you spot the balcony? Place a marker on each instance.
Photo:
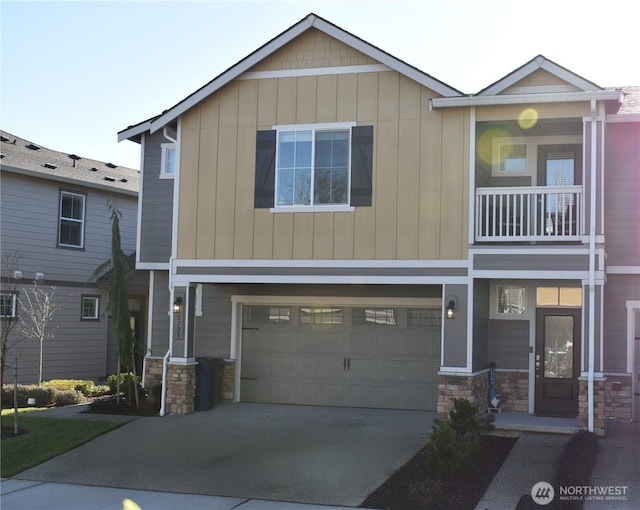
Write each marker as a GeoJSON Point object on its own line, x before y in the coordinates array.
{"type": "Point", "coordinates": [543, 213]}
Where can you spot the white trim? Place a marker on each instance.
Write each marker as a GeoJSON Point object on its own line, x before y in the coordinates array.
{"type": "Point", "coordinates": [632, 307]}
{"type": "Point", "coordinates": [176, 195]}
{"type": "Point", "coordinates": [470, 318]}
{"type": "Point", "coordinates": [434, 302]}
{"type": "Point", "coordinates": [529, 250]}
{"type": "Point", "coordinates": [509, 99]}
{"type": "Point", "coordinates": [623, 117]}
{"type": "Point", "coordinates": [165, 148]}
{"type": "Point", "coordinates": [472, 175]}
{"type": "Point", "coordinates": [143, 139]}
{"type": "Point", "coordinates": [312, 208]}
{"type": "Point", "coordinates": [320, 126]}
{"type": "Point", "coordinates": [623, 270]}
{"type": "Point", "coordinates": [314, 71]}
{"type": "Point", "coordinates": [322, 263]}
{"type": "Point", "coordinates": [153, 266]}
{"type": "Point", "coordinates": [538, 89]}
{"type": "Point", "coordinates": [460, 371]}
{"type": "Point", "coordinates": [182, 280]}
{"type": "Point", "coordinates": [535, 275]}
{"type": "Point", "coordinates": [133, 131]}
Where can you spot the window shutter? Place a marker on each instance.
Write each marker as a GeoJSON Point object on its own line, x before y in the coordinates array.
{"type": "Point", "coordinates": [361, 165]}
{"type": "Point", "coordinates": [265, 169]}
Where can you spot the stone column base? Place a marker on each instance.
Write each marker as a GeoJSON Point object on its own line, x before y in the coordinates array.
{"type": "Point", "coordinates": [473, 387]}
{"type": "Point", "coordinates": [181, 388]}
{"type": "Point", "coordinates": [599, 421]}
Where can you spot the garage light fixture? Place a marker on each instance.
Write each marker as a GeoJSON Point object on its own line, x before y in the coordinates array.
{"type": "Point", "coordinates": [177, 305]}
{"type": "Point", "coordinates": [452, 302]}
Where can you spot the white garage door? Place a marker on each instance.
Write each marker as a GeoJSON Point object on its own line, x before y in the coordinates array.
{"type": "Point", "coordinates": [344, 356]}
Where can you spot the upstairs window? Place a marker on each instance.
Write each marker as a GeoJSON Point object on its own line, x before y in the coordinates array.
{"type": "Point", "coordinates": [314, 167]}
{"type": "Point", "coordinates": [168, 160]}
{"type": "Point", "coordinates": [90, 307]}
{"type": "Point", "coordinates": [513, 157]}
{"type": "Point", "coordinates": [7, 305]}
{"type": "Point", "coordinates": [71, 224]}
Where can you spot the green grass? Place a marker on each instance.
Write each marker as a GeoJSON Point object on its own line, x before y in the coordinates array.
{"type": "Point", "coordinates": [44, 438]}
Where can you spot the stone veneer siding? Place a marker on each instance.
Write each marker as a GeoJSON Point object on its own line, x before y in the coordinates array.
{"type": "Point", "coordinates": [599, 421]}
{"type": "Point", "coordinates": [228, 379]}
{"type": "Point", "coordinates": [181, 388]}
{"type": "Point", "coordinates": [473, 387]}
{"type": "Point", "coordinates": [513, 391]}
{"type": "Point", "coordinates": [618, 395]}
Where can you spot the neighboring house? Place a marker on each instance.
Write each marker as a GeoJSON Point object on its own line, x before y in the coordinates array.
{"type": "Point", "coordinates": [55, 218]}
{"type": "Point", "coordinates": [316, 213]}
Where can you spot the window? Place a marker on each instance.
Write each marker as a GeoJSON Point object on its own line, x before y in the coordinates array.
{"type": "Point", "coordinates": [168, 160]}
{"type": "Point", "coordinates": [512, 299]}
{"type": "Point", "coordinates": [7, 305]}
{"type": "Point", "coordinates": [424, 317]}
{"type": "Point", "coordinates": [321, 166]}
{"type": "Point", "coordinates": [90, 307]}
{"type": "Point", "coordinates": [72, 212]}
{"type": "Point", "coordinates": [321, 315]}
{"type": "Point", "coordinates": [378, 316]}
{"type": "Point", "coordinates": [269, 314]}
{"type": "Point", "coordinates": [559, 296]}
{"type": "Point", "coordinates": [513, 157]}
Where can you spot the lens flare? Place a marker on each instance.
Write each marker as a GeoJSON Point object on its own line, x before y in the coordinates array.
{"type": "Point", "coordinates": [485, 144]}
{"type": "Point", "coordinates": [528, 118]}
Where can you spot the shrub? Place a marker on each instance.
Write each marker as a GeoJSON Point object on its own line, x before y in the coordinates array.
{"type": "Point", "coordinates": [83, 386]}
{"type": "Point", "coordinates": [99, 390]}
{"type": "Point", "coordinates": [453, 439]}
{"type": "Point", "coordinates": [127, 388]}
{"type": "Point", "coordinates": [45, 396]}
{"type": "Point", "coordinates": [67, 397]}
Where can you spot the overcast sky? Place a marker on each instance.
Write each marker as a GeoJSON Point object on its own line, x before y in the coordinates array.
{"type": "Point", "coordinates": [75, 73]}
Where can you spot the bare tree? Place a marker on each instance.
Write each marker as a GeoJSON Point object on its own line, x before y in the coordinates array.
{"type": "Point", "coordinates": [38, 307]}
{"type": "Point", "coordinates": [11, 275]}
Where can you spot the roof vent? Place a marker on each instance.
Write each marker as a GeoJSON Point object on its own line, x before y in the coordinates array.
{"type": "Point", "coordinates": [110, 179]}
{"type": "Point", "coordinates": [93, 169]}
{"type": "Point", "coordinates": [49, 166]}
{"type": "Point", "coordinates": [1, 155]}
{"type": "Point", "coordinates": [32, 147]}
{"type": "Point", "coordinates": [111, 165]}
{"type": "Point", "coordinates": [123, 180]}
{"type": "Point", "coordinates": [74, 158]}
{"type": "Point", "coordinates": [4, 138]}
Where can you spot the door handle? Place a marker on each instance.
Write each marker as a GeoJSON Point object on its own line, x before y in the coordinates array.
{"type": "Point", "coordinates": [348, 363]}
{"type": "Point", "coordinates": [344, 363]}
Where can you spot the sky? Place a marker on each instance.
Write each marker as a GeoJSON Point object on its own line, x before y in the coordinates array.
{"type": "Point", "coordinates": [73, 74]}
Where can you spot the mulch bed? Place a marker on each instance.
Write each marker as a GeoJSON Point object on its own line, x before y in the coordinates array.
{"type": "Point", "coordinates": [110, 405]}
{"type": "Point", "coordinates": [413, 488]}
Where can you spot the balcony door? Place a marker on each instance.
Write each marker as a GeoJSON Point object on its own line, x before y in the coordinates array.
{"type": "Point", "coordinates": [557, 361]}
{"type": "Point", "coordinates": [560, 166]}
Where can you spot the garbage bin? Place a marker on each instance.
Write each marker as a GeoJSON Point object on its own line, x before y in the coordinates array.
{"type": "Point", "coordinates": [208, 383]}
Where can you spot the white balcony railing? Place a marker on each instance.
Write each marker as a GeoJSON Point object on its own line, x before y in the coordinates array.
{"type": "Point", "coordinates": [544, 213]}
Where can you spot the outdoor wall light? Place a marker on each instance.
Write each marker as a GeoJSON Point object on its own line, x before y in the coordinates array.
{"type": "Point", "coordinates": [177, 305]}
{"type": "Point", "coordinates": [17, 274]}
{"type": "Point", "coordinates": [451, 306]}
{"type": "Point", "coordinates": [39, 276]}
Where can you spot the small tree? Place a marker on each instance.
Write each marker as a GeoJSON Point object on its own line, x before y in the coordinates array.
{"type": "Point", "coordinates": [38, 307]}
{"type": "Point", "coordinates": [118, 304]}
{"type": "Point", "coordinates": [8, 317]}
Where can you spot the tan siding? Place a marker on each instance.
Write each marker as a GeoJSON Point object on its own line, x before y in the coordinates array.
{"type": "Point", "coordinates": [547, 111]}
{"type": "Point", "coordinates": [541, 78]}
{"type": "Point", "coordinates": [206, 192]}
{"type": "Point", "coordinates": [418, 154]}
{"type": "Point", "coordinates": [225, 193]}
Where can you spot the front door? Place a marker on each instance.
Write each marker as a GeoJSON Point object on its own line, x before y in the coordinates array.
{"type": "Point", "coordinates": [557, 361]}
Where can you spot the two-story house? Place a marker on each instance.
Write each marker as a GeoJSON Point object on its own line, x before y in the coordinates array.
{"type": "Point", "coordinates": [56, 231]}
{"type": "Point", "coordinates": [344, 229]}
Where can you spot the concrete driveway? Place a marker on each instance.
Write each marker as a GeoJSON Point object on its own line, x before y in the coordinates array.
{"type": "Point", "coordinates": [320, 455]}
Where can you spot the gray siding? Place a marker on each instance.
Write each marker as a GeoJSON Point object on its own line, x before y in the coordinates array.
{"type": "Point", "coordinates": [622, 192]}
{"type": "Point", "coordinates": [530, 262]}
{"type": "Point", "coordinates": [509, 345]}
{"type": "Point", "coordinates": [618, 290]}
{"type": "Point", "coordinates": [157, 204]}
{"type": "Point", "coordinates": [481, 289]}
{"type": "Point", "coordinates": [77, 348]}
{"type": "Point", "coordinates": [159, 320]}
{"type": "Point", "coordinates": [29, 223]}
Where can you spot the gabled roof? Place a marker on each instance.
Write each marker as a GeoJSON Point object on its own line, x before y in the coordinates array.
{"type": "Point", "coordinates": [577, 89]}
{"type": "Point", "coordinates": [538, 62]}
{"type": "Point", "coordinates": [307, 23]}
{"type": "Point", "coordinates": [27, 158]}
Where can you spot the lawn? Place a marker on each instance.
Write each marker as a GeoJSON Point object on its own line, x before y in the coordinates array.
{"type": "Point", "coordinates": [43, 438]}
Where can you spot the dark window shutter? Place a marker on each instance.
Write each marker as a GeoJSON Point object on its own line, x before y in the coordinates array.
{"type": "Point", "coordinates": [265, 169]}
{"type": "Point", "coordinates": [361, 165]}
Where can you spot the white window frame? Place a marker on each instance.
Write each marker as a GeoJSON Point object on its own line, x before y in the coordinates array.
{"type": "Point", "coordinates": [494, 300]}
{"type": "Point", "coordinates": [80, 221]}
{"type": "Point", "coordinates": [337, 126]}
{"type": "Point", "coordinates": [97, 302]}
{"type": "Point", "coordinates": [165, 148]}
{"type": "Point", "coordinates": [12, 296]}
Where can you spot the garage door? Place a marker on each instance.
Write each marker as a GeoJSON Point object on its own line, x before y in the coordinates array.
{"type": "Point", "coordinates": [343, 356]}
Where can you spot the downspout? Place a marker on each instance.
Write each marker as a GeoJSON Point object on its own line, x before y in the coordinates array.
{"type": "Point", "coordinates": [163, 398]}
{"type": "Point", "coordinates": [592, 268]}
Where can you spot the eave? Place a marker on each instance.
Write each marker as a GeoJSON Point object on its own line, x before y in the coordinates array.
{"type": "Point", "coordinates": [508, 99]}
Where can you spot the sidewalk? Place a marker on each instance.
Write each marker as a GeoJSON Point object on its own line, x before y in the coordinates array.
{"type": "Point", "coordinates": [27, 495]}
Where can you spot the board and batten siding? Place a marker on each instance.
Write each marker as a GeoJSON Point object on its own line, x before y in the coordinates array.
{"type": "Point", "coordinates": [420, 174]}
{"type": "Point", "coordinates": [157, 208]}
{"type": "Point", "coordinates": [29, 221]}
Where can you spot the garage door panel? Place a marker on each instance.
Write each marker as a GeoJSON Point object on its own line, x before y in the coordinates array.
{"type": "Point", "coordinates": [391, 370]}
{"type": "Point", "coordinates": [390, 344]}
{"type": "Point", "coordinates": [332, 394]}
{"type": "Point", "coordinates": [330, 342]}
{"type": "Point", "coordinates": [331, 368]}
{"type": "Point", "coordinates": [362, 343]}
{"type": "Point", "coordinates": [306, 393]}
{"type": "Point", "coordinates": [307, 343]}
{"type": "Point", "coordinates": [307, 367]}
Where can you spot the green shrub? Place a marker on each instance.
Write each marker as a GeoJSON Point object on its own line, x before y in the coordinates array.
{"type": "Point", "coordinates": [453, 439]}
{"type": "Point", "coordinates": [45, 396]}
{"type": "Point", "coordinates": [128, 382]}
{"type": "Point", "coordinates": [99, 390]}
{"type": "Point", "coordinates": [67, 397]}
{"type": "Point", "coordinates": [83, 386]}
